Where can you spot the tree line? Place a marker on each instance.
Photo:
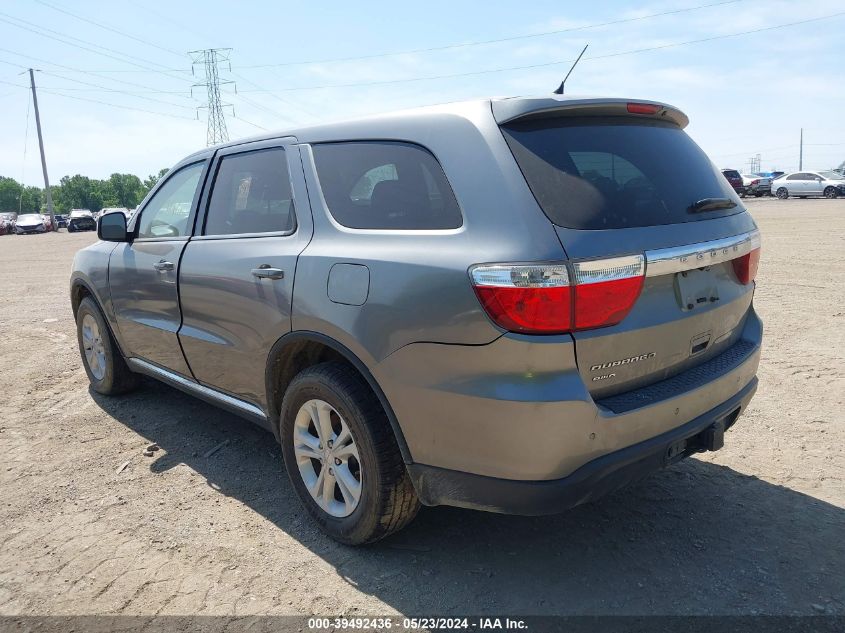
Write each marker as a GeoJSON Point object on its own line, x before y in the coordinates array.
{"type": "Point", "coordinates": [77, 192]}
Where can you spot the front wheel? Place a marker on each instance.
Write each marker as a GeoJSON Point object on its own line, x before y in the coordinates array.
{"type": "Point", "coordinates": [342, 458]}
{"type": "Point", "coordinates": [830, 192]}
{"type": "Point", "coordinates": [106, 369]}
{"type": "Point", "coordinates": [782, 193]}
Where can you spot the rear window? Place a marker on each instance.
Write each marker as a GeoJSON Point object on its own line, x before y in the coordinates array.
{"type": "Point", "coordinates": [731, 173]}
{"type": "Point", "coordinates": [591, 173]}
{"type": "Point", "coordinates": [385, 185]}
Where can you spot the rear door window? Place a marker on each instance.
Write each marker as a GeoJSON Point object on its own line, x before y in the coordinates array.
{"type": "Point", "coordinates": [385, 185]}
{"type": "Point", "coordinates": [615, 172]}
{"type": "Point", "coordinates": [252, 194]}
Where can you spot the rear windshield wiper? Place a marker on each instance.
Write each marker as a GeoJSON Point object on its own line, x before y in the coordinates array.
{"type": "Point", "coordinates": [711, 204]}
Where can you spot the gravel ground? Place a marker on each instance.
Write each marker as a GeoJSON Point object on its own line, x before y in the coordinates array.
{"type": "Point", "coordinates": [758, 527]}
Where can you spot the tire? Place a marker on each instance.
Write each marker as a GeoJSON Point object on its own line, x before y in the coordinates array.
{"type": "Point", "coordinates": [758, 195]}
{"type": "Point", "coordinates": [830, 192]}
{"type": "Point", "coordinates": [107, 371]}
{"type": "Point", "coordinates": [386, 500]}
{"type": "Point", "coordinates": [782, 193]}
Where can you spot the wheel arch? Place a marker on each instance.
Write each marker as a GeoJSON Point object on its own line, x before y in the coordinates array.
{"type": "Point", "coordinates": [298, 350]}
{"type": "Point", "coordinates": [79, 290]}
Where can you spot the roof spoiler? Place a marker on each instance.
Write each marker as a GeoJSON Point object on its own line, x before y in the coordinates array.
{"type": "Point", "coordinates": [531, 108]}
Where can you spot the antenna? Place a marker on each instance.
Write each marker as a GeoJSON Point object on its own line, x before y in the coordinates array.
{"type": "Point", "coordinates": [559, 90]}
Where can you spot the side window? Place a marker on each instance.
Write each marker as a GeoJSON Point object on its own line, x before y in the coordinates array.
{"type": "Point", "coordinates": [794, 177]}
{"type": "Point", "coordinates": [251, 194]}
{"type": "Point", "coordinates": [385, 185]}
{"type": "Point", "coordinates": [168, 211]}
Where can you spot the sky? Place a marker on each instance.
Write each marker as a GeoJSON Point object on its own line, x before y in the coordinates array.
{"type": "Point", "coordinates": [115, 78]}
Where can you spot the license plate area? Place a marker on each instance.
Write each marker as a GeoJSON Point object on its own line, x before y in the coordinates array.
{"type": "Point", "coordinates": [695, 289]}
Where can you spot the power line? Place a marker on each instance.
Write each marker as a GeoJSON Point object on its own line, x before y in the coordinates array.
{"type": "Point", "coordinates": [431, 48]}
{"type": "Point", "coordinates": [497, 40]}
{"type": "Point", "coordinates": [106, 89]}
{"type": "Point", "coordinates": [69, 69]}
{"type": "Point", "coordinates": [62, 37]}
{"type": "Point", "coordinates": [559, 62]}
{"type": "Point", "coordinates": [115, 105]}
{"type": "Point", "coordinates": [80, 46]}
{"type": "Point", "coordinates": [108, 28]}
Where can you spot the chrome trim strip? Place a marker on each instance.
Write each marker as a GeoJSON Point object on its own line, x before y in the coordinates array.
{"type": "Point", "coordinates": [609, 269]}
{"type": "Point", "coordinates": [208, 394]}
{"type": "Point", "coordinates": [665, 261]}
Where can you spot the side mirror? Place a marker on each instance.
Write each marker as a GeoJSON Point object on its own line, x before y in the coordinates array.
{"type": "Point", "coordinates": [111, 227]}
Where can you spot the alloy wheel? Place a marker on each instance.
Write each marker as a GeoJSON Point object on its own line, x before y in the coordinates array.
{"type": "Point", "coordinates": [92, 343]}
{"type": "Point", "coordinates": [327, 458]}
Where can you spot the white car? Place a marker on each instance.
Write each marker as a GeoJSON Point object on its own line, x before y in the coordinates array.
{"type": "Point", "coordinates": [803, 184]}
{"type": "Point", "coordinates": [756, 185]}
{"type": "Point", "coordinates": [30, 223]}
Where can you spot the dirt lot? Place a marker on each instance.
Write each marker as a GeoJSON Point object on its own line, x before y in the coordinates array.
{"type": "Point", "coordinates": [758, 527]}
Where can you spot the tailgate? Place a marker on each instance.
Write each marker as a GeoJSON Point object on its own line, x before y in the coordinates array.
{"type": "Point", "coordinates": [692, 307]}
{"type": "Point", "coordinates": [616, 184]}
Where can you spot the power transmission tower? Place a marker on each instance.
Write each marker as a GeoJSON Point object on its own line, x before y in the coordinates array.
{"type": "Point", "coordinates": [47, 193]}
{"type": "Point", "coordinates": [209, 59]}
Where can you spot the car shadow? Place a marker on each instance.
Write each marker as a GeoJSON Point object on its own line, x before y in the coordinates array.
{"type": "Point", "coordinates": [695, 538]}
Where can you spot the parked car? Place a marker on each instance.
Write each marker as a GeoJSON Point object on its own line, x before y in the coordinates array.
{"type": "Point", "coordinates": [810, 183]}
{"type": "Point", "coordinates": [756, 185]}
{"type": "Point", "coordinates": [61, 221]}
{"type": "Point", "coordinates": [81, 220]}
{"type": "Point", "coordinates": [735, 180]}
{"type": "Point", "coordinates": [105, 210]}
{"type": "Point", "coordinates": [31, 223]}
{"type": "Point", "coordinates": [7, 222]}
{"type": "Point", "coordinates": [514, 305]}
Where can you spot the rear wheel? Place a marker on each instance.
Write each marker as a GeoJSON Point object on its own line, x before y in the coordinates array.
{"type": "Point", "coordinates": [830, 192]}
{"type": "Point", "coordinates": [782, 193]}
{"type": "Point", "coordinates": [342, 457]}
{"type": "Point", "coordinates": [101, 358]}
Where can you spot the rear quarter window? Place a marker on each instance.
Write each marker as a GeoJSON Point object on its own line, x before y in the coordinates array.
{"type": "Point", "coordinates": [615, 172]}
{"type": "Point", "coordinates": [385, 185]}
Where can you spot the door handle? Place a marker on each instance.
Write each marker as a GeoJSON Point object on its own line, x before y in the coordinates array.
{"type": "Point", "coordinates": [163, 266]}
{"type": "Point", "coordinates": [265, 271]}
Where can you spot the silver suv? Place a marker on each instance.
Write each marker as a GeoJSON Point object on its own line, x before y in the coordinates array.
{"type": "Point", "coordinates": [514, 305]}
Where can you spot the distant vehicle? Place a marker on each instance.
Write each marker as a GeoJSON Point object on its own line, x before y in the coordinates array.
{"type": "Point", "coordinates": [735, 179]}
{"type": "Point", "coordinates": [771, 175]}
{"type": "Point", "coordinates": [31, 223]}
{"type": "Point", "coordinates": [81, 220]}
{"type": "Point", "coordinates": [756, 185]}
{"type": "Point", "coordinates": [105, 210]}
{"type": "Point", "coordinates": [61, 221]}
{"type": "Point", "coordinates": [810, 183]}
{"type": "Point", "coordinates": [7, 222]}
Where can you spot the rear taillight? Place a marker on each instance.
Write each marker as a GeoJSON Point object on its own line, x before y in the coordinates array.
{"type": "Point", "coordinates": [643, 108]}
{"type": "Point", "coordinates": [755, 182]}
{"type": "Point", "coordinates": [524, 298]}
{"type": "Point", "coordinates": [554, 298]}
{"type": "Point", "coordinates": [745, 267]}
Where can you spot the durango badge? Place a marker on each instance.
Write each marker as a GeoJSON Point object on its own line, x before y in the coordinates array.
{"type": "Point", "coordinates": [623, 361]}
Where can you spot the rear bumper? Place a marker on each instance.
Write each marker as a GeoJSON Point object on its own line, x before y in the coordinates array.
{"type": "Point", "coordinates": [438, 486]}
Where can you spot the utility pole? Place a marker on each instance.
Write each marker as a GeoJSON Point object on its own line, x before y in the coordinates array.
{"type": "Point", "coordinates": [41, 147]}
{"type": "Point", "coordinates": [800, 151]}
{"type": "Point", "coordinates": [209, 59]}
